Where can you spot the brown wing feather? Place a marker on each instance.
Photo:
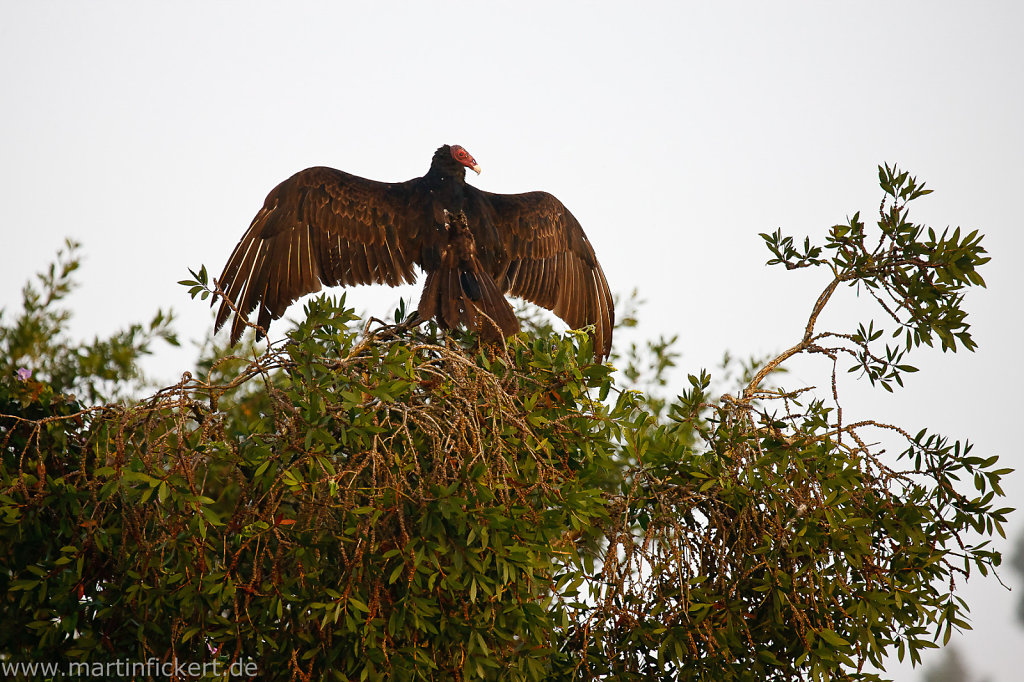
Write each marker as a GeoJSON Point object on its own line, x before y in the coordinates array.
{"type": "Point", "coordinates": [320, 226]}
{"type": "Point", "coordinates": [536, 249]}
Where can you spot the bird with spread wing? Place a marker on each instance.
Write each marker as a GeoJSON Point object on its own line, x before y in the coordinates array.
{"type": "Point", "coordinates": [323, 226]}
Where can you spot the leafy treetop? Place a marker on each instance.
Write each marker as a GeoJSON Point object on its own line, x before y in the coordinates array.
{"type": "Point", "coordinates": [382, 501]}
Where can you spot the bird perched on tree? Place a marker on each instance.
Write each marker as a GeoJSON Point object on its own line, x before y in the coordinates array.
{"type": "Point", "coordinates": [325, 226]}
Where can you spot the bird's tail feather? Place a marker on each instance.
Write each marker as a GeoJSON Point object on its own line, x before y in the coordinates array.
{"type": "Point", "coordinates": [468, 296]}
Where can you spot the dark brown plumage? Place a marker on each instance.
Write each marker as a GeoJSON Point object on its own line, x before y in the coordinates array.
{"type": "Point", "coordinates": [324, 226]}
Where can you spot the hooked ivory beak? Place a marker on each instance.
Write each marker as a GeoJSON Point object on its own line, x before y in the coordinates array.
{"type": "Point", "coordinates": [476, 169]}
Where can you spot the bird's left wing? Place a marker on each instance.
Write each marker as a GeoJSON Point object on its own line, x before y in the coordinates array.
{"type": "Point", "coordinates": [537, 250]}
{"type": "Point", "coordinates": [320, 226]}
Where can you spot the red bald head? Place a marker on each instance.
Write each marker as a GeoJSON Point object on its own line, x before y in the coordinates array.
{"type": "Point", "coordinates": [465, 158]}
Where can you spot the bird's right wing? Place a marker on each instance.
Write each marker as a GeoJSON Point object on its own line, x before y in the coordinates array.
{"type": "Point", "coordinates": [545, 257]}
{"type": "Point", "coordinates": [320, 226]}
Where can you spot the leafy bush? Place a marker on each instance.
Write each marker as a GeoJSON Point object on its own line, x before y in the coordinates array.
{"type": "Point", "coordinates": [387, 502]}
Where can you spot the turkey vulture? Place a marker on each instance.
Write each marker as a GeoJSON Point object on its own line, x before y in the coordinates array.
{"type": "Point", "coordinates": [325, 226]}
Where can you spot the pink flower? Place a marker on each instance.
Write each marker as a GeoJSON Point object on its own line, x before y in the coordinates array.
{"type": "Point", "coordinates": [24, 374]}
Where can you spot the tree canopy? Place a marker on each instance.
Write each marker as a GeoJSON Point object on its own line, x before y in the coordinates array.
{"type": "Point", "coordinates": [373, 501]}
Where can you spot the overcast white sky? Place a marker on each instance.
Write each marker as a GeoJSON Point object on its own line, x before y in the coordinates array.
{"type": "Point", "coordinates": [675, 132]}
